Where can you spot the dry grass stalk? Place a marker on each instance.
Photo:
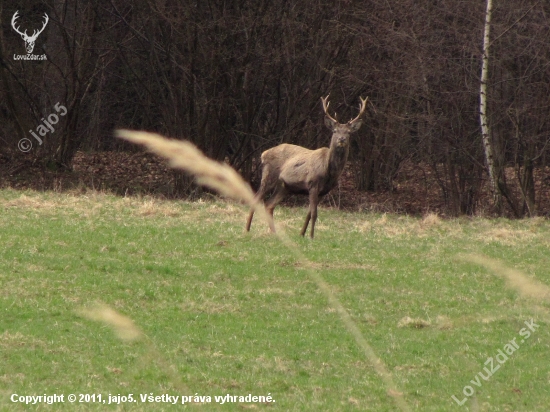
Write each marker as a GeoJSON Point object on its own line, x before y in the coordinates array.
{"type": "Point", "coordinates": [526, 286]}
{"type": "Point", "coordinates": [125, 329]}
{"type": "Point", "coordinates": [185, 156]}
{"type": "Point", "coordinates": [123, 326]}
{"type": "Point", "coordinates": [224, 179]}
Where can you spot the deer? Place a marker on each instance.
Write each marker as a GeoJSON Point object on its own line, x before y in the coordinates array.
{"type": "Point", "coordinates": [29, 40]}
{"type": "Point", "coordinates": [291, 169]}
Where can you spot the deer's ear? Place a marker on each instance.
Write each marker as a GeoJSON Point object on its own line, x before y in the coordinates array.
{"type": "Point", "coordinates": [355, 125]}
{"type": "Point", "coordinates": [330, 123]}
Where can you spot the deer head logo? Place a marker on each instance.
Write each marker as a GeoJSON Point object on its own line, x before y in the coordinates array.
{"type": "Point", "coordinates": [29, 40]}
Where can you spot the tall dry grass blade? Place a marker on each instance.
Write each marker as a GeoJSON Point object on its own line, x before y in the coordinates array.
{"type": "Point", "coordinates": [351, 326]}
{"type": "Point", "coordinates": [126, 329]}
{"type": "Point", "coordinates": [122, 325]}
{"type": "Point", "coordinates": [526, 286]}
{"type": "Point", "coordinates": [228, 182]}
{"type": "Point", "coordinates": [186, 156]}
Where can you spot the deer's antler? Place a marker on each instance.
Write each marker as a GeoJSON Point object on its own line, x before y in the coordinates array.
{"type": "Point", "coordinates": [325, 108]}
{"type": "Point", "coordinates": [362, 108]}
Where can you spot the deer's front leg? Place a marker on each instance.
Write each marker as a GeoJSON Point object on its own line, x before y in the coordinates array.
{"type": "Point", "coordinates": [304, 228]}
{"type": "Point", "coordinates": [312, 213]}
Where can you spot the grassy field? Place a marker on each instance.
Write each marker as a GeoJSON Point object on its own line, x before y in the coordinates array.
{"type": "Point", "coordinates": [192, 305]}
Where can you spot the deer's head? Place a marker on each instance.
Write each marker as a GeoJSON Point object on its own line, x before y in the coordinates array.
{"type": "Point", "coordinates": [341, 132]}
{"type": "Point", "coordinates": [29, 40]}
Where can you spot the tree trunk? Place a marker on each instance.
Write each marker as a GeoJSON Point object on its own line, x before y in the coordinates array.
{"type": "Point", "coordinates": [485, 127]}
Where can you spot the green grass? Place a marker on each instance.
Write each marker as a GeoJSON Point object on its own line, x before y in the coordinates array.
{"type": "Point", "coordinates": [223, 311]}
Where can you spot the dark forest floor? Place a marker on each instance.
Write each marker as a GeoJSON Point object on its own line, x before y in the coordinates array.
{"type": "Point", "coordinates": [416, 191]}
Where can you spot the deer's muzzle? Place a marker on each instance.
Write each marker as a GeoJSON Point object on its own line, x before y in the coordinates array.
{"type": "Point", "coordinates": [342, 141]}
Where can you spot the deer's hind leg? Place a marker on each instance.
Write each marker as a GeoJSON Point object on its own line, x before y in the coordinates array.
{"type": "Point", "coordinates": [265, 186]}
{"type": "Point", "coordinates": [278, 196]}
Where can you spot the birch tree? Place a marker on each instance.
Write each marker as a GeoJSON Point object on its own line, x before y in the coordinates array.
{"type": "Point", "coordinates": [485, 127]}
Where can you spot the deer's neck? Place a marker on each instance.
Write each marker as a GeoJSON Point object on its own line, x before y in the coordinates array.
{"type": "Point", "coordinates": [338, 156]}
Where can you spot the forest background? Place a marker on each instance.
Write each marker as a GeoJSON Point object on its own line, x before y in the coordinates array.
{"type": "Point", "coordinates": [237, 77]}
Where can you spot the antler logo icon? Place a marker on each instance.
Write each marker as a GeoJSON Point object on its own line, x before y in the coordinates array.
{"type": "Point", "coordinates": [29, 40]}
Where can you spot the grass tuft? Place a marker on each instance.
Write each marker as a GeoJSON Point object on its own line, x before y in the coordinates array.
{"type": "Point", "coordinates": [417, 323]}
{"type": "Point", "coordinates": [431, 220]}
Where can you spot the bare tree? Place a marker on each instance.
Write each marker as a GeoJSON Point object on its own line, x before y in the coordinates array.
{"type": "Point", "coordinates": [237, 78]}
{"type": "Point", "coordinates": [485, 128]}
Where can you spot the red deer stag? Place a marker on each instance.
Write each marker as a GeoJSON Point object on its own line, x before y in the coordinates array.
{"type": "Point", "coordinates": [291, 169]}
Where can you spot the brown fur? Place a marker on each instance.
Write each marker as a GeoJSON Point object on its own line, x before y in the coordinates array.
{"type": "Point", "coordinates": [290, 169]}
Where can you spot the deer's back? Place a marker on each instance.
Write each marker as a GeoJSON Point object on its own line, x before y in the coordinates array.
{"type": "Point", "coordinates": [284, 152]}
{"type": "Point", "coordinates": [295, 165]}
{"type": "Point", "coordinates": [279, 154]}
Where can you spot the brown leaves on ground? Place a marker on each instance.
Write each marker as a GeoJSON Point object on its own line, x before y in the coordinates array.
{"type": "Point", "coordinates": [415, 189]}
